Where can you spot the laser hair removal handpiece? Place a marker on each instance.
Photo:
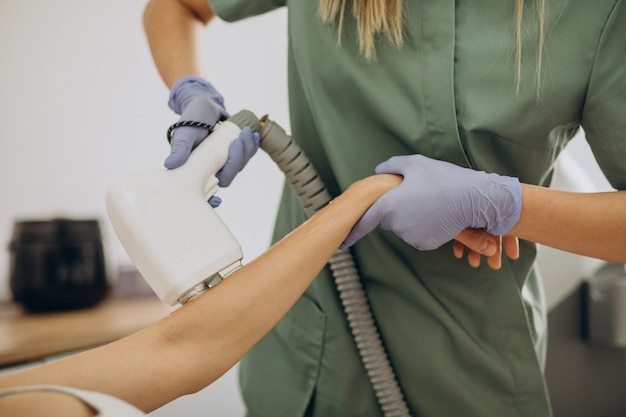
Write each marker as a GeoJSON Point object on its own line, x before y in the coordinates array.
{"type": "Point", "coordinates": [182, 248]}
{"type": "Point", "coordinates": [175, 239]}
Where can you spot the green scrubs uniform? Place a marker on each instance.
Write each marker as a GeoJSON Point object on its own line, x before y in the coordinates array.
{"type": "Point", "coordinates": [463, 341]}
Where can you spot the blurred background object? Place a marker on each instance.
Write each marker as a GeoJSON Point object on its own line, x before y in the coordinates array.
{"type": "Point", "coordinates": [57, 264]}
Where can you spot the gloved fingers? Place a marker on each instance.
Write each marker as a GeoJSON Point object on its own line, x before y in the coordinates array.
{"type": "Point", "coordinates": [215, 201]}
{"type": "Point", "coordinates": [400, 164]}
{"type": "Point", "coordinates": [368, 222]}
{"type": "Point", "coordinates": [233, 164]}
{"type": "Point", "coordinates": [239, 153]}
{"type": "Point", "coordinates": [184, 140]}
{"type": "Point", "coordinates": [203, 109]}
{"type": "Point", "coordinates": [186, 88]}
{"type": "Point", "coordinates": [251, 141]}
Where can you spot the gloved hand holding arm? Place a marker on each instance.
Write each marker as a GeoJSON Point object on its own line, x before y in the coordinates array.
{"type": "Point", "coordinates": [437, 200]}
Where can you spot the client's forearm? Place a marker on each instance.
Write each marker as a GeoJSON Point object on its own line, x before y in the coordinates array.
{"type": "Point", "coordinates": [257, 296]}
{"type": "Point", "coordinates": [196, 344]}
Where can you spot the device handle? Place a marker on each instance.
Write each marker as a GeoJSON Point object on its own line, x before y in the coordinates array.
{"type": "Point", "coordinates": [207, 159]}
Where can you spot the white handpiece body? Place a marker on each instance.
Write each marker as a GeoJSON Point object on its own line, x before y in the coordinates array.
{"type": "Point", "coordinates": [162, 218]}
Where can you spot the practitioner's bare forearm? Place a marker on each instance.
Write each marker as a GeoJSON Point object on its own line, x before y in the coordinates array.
{"type": "Point", "coordinates": [176, 51]}
{"type": "Point", "coordinates": [589, 224]}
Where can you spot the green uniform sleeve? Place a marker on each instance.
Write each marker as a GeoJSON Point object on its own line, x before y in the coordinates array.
{"type": "Point", "coordinates": [604, 113]}
{"type": "Point", "coordinates": [233, 10]}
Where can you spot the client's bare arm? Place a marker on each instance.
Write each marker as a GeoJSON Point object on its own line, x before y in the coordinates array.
{"type": "Point", "coordinates": [187, 350]}
{"type": "Point", "coordinates": [192, 347]}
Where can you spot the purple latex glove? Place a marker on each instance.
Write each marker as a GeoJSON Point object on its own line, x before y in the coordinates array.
{"type": "Point", "coordinates": [437, 200]}
{"type": "Point", "coordinates": [197, 100]}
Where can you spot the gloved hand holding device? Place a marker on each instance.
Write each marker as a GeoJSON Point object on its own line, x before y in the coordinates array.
{"type": "Point", "coordinates": [437, 200]}
{"type": "Point", "coordinates": [195, 99]}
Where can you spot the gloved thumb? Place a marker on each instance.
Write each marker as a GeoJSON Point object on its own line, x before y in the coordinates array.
{"type": "Point", "coordinates": [239, 153]}
{"type": "Point", "coordinates": [184, 139]}
{"type": "Point", "coordinates": [178, 155]}
{"type": "Point", "coordinates": [368, 222]}
{"type": "Point", "coordinates": [398, 164]}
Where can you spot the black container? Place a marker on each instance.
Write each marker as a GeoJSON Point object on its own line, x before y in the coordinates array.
{"type": "Point", "coordinates": [57, 264]}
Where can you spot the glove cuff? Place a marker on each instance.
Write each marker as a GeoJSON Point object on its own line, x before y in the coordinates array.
{"type": "Point", "coordinates": [508, 198]}
{"type": "Point", "coordinates": [184, 90]}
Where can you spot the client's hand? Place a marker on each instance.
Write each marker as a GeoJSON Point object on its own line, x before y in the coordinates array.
{"type": "Point", "coordinates": [479, 243]}
{"type": "Point", "coordinates": [438, 200]}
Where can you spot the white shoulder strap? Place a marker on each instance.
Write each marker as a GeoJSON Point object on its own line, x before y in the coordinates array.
{"type": "Point", "coordinates": [105, 405]}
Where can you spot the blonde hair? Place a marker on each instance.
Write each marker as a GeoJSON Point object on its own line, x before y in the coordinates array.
{"type": "Point", "coordinates": [385, 17]}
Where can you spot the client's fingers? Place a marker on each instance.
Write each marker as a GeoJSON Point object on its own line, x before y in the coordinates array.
{"type": "Point", "coordinates": [474, 258]}
{"type": "Point", "coordinates": [480, 243]}
{"type": "Point", "coordinates": [495, 261]}
{"type": "Point", "coordinates": [458, 249]}
{"type": "Point", "coordinates": [477, 240]}
{"type": "Point", "coordinates": [511, 246]}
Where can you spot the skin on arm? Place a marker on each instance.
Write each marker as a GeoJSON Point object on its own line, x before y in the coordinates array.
{"type": "Point", "coordinates": [588, 224]}
{"type": "Point", "coordinates": [233, 316]}
{"type": "Point", "coordinates": [192, 347]}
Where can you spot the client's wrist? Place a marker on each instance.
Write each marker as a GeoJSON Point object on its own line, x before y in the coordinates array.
{"type": "Point", "coordinates": [376, 185]}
